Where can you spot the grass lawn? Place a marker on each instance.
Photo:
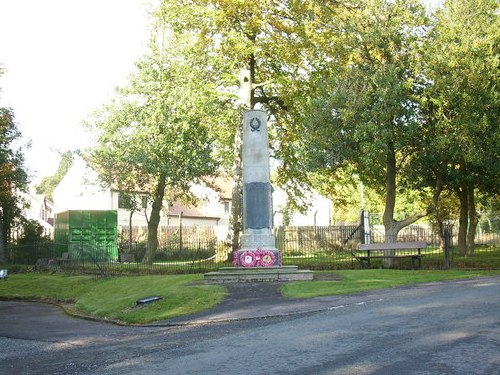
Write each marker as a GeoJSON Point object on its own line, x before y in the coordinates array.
{"type": "Point", "coordinates": [115, 298]}
{"type": "Point", "coordinates": [355, 281]}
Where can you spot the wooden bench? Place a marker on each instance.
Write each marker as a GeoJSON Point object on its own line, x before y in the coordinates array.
{"type": "Point", "coordinates": [366, 252]}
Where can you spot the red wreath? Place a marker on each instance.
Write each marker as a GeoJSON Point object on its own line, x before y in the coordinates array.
{"type": "Point", "coordinates": [248, 259]}
{"type": "Point", "coordinates": [267, 259]}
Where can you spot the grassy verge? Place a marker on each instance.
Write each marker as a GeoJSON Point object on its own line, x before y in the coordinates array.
{"type": "Point", "coordinates": [355, 281]}
{"type": "Point", "coordinates": [115, 298]}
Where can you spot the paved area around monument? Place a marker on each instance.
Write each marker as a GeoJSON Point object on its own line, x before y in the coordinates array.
{"type": "Point", "coordinates": [264, 300]}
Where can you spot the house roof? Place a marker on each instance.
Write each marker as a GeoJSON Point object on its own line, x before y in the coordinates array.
{"type": "Point", "coordinates": [223, 188]}
{"type": "Point", "coordinates": [188, 211]}
{"type": "Point", "coordinates": [223, 185]}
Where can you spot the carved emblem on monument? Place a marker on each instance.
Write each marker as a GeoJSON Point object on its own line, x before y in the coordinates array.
{"type": "Point", "coordinates": [255, 124]}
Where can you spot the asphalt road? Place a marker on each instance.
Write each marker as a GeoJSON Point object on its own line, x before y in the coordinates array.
{"type": "Point", "coordinates": [438, 328]}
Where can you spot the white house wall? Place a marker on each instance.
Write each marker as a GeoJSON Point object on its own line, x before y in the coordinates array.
{"type": "Point", "coordinates": [79, 190]}
{"type": "Point", "coordinates": [318, 213]}
{"type": "Point", "coordinates": [38, 211]}
{"type": "Point", "coordinates": [212, 205]}
{"type": "Point", "coordinates": [193, 221]}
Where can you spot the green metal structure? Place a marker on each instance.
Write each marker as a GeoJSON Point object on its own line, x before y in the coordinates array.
{"type": "Point", "coordinates": [87, 235]}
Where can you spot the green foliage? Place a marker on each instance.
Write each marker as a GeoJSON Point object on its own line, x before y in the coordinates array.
{"type": "Point", "coordinates": [362, 109]}
{"type": "Point", "coordinates": [461, 106]}
{"type": "Point", "coordinates": [462, 100]}
{"type": "Point", "coordinates": [231, 36]}
{"type": "Point", "coordinates": [49, 183]}
{"type": "Point", "coordinates": [347, 85]}
{"type": "Point", "coordinates": [130, 202]}
{"type": "Point", "coordinates": [31, 232]}
{"type": "Point", "coordinates": [346, 192]}
{"type": "Point", "coordinates": [158, 135]}
{"type": "Point", "coordinates": [362, 116]}
{"type": "Point", "coordinates": [13, 177]}
{"type": "Point", "coordinates": [155, 127]}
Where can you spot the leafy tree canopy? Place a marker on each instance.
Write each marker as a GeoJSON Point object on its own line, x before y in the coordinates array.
{"type": "Point", "coordinates": [48, 184]}
{"type": "Point", "coordinates": [13, 176]}
{"type": "Point", "coordinates": [157, 135]}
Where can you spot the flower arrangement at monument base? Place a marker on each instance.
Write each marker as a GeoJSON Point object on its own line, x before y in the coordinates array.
{"type": "Point", "coordinates": [257, 258]}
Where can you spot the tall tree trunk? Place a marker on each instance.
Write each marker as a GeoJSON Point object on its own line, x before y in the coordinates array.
{"type": "Point", "coordinates": [154, 220]}
{"type": "Point", "coordinates": [130, 231]}
{"type": "Point", "coordinates": [246, 100]}
{"type": "Point", "coordinates": [390, 225]}
{"type": "Point", "coordinates": [437, 211]}
{"type": "Point", "coordinates": [235, 222]}
{"type": "Point", "coordinates": [473, 220]}
{"type": "Point", "coordinates": [463, 220]}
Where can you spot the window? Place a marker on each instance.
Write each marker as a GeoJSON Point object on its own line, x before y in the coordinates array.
{"type": "Point", "coordinates": [124, 200]}
{"type": "Point", "coordinates": [227, 207]}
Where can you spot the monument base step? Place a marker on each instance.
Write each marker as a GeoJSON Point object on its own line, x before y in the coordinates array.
{"type": "Point", "coordinates": [258, 274]}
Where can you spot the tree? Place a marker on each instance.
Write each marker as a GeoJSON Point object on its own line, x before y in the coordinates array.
{"type": "Point", "coordinates": [31, 232]}
{"type": "Point", "coordinates": [251, 52]}
{"type": "Point", "coordinates": [13, 178]}
{"type": "Point", "coordinates": [363, 115]}
{"type": "Point", "coordinates": [131, 203]}
{"type": "Point", "coordinates": [156, 136]}
{"type": "Point", "coordinates": [49, 183]}
{"type": "Point", "coordinates": [461, 104]}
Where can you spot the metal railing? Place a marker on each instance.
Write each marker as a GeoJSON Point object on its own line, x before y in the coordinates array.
{"type": "Point", "coordinates": [316, 248]}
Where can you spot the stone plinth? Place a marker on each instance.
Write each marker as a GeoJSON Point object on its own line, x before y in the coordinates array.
{"type": "Point", "coordinates": [257, 274]}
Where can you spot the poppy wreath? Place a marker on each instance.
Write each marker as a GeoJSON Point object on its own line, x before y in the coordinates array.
{"type": "Point", "coordinates": [248, 259]}
{"type": "Point", "coordinates": [267, 259]}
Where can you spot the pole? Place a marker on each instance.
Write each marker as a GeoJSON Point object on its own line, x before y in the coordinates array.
{"type": "Point", "coordinates": [3, 257]}
{"type": "Point", "coordinates": [447, 243]}
{"type": "Point", "coordinates": [180, 231]}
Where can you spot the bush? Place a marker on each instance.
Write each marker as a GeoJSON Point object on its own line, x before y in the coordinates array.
{"type": "Point", "coordinates": [31, 232]}
{"type": "Point", "coordinates": [131, 253]}
{"type": "Point", "coordinates": [192, 250]}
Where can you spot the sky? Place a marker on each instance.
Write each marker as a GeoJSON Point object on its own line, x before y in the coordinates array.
{"type": "Point", "coordinates": [62, 60]}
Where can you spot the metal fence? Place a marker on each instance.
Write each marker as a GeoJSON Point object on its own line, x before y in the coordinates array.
{"type": "Point", "coordinates": [195, 251]}
{"type": "Point", "coordinates": [188, 256]}
{"type": "Point", "coordinates": [334, 247]}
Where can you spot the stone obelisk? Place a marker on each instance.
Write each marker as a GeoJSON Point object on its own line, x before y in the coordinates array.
{"type": "Point", "coordinates": [258, 246]}
{"type": "Point", "coordinates": [258, 259]}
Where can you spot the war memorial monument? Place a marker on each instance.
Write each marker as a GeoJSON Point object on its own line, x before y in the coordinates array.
{"type": "Point", "coordinates": [258, 259]}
